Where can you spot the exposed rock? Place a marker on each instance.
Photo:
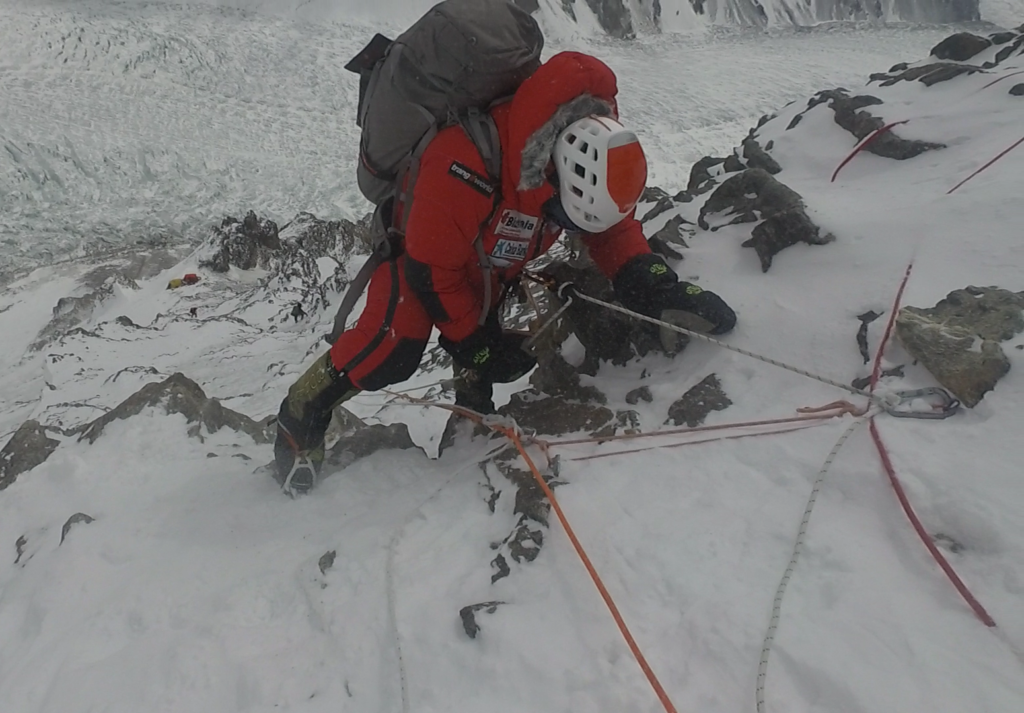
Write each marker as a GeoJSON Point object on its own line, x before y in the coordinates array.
{"type": "Point", "coordinates": [19, 548]}
{"type": "Point", "coordinates": [750, 196]}
{"type": "Point", "coordinates": [662, 247]}
{"type": "Point", "coordinates": [928, 74]}
{"type": "Point", "coordinates": [468, 614]}
{"type": "Point", "coordinates": [701, 178]}
{"type": "Point", "coordinates": [672, 231]}
{"type": "Point", "coordinates": [757, 157]}
{"type": "Point", "coordinates": [327, 561]}
{"type": "Point", "coordinates": [865, 381]}
{"type": "Point", "coordinates": [28, 447]}
{"type": "Point", "coordinates": [637, 395]}
{"type": "Point", "coordinates": [501, 565]}
{"type": "Point", "coordinates": [178, 394]}
{"type": "Point", "coordinates": [862, 333]}
{"type": "Point", "coordinates": [528, 5]}
{"type": "Point", "coordinates": [960, 47]}
{"type": "Point", "coordinates": [780, 232]}
{"type": "Point", "coordinates": [555, 376]}
{"type": "Point", "coordinates": [861, 124]}
{"type": "Point", "coordinates": [244, 244]}
{"type": "Point", "coordinates": [958, 339]}
{"type": "Point", "coordinates": [606, 335]}
{"type": "Point", "coordinates": [553, 415]}
{"type": "Point", "coordinates": [988, 312]}
{"type": "Point", "coordinates": [614, 17]}
{"type": "Point", "coordinates": [72, 521]}
{"type": "Point", "coordinates": [1001, 38]}
{"type": "Point", "coordinates": [70, 312]}
{"type": "Point", "coordinates": [1017, 90]}
{"type": "Point", "coordinates": [698, 402]}
{"type": "Point", "coordinates": [358, 440]}
{"type": "Point", "coordinates": [322, 237]}
{"type": "Point", "coordinates": [1005, 53]}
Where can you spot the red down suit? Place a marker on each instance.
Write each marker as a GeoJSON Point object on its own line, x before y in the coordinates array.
{"type": "Point", "coordinates": [437, 280]}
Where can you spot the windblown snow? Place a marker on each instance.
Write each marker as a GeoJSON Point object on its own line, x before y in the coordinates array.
{"type": "Point", "coordinates": [198, 586]}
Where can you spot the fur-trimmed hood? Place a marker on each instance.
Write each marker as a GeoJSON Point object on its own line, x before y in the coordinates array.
{"type": "Point", "coordinates": [566, 88]}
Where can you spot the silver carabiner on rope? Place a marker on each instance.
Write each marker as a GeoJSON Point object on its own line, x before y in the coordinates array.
{"type": "Point", "coordinates": [943, 407]}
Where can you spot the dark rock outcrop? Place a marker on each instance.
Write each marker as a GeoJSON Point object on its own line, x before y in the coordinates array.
{"type": "Point", "coordinates": [28, 447]}
{"type": "Point", "coordinates": [178, 394]}
{"type": "Point", "coordinates": [698, 402]}
{"type": "Point", "coordinates": [1017, 90]}
{"type": "Point", "coordinates": [606, 335]}
{"type": "Point", "coordinates": [72, 521]}
{"type": "Point", "coordinates": [848, 115]}
{"type": "Point", "coordinates": [749, 196]}
{"type": "Point", "coordinates": [781, 231]}
{"type": "Point", "coordinates": [245, 244]}
{"type": "Point", "coordinates": [928, 74]}
{"type": "Point", "coordinates": [756, 156]}
{"type": "Point", "coordinates": [468, 613]}
{"type": "Point", "coordinates": [960, 47]}
{"type": "Point", "coordinates": [553, 415]}
{"type": "Point", "coordinates": [358, 439]}
{"type": "Point", "coordinates": [958, 339]}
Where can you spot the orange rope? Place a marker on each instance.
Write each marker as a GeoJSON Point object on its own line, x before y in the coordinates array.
{"type": "Point", "coordinates": [705, 440]}
{"type": "Point", "coordinates": [513, 436]}
{"type": "Point", "coordinates": [807, 414]}
{"type": "Point", "coordinates": [653, 679]}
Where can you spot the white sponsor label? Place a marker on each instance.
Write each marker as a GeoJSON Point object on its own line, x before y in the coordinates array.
{"type": "Point", "coordinates": [514, 224]}
{"type": "Point", "coordinates": [507, 250]}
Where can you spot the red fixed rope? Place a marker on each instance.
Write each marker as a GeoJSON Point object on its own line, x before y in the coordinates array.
{"type": "Point", "coordinates": [867, 140]}
{"type": "Point", "coordinates": [998, 156]}
{"type": "Point", "coordinates": [883, 453]}
{"type": "Point", "coordinates": [897, 486]}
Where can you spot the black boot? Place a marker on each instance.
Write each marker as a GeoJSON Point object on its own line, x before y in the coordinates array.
{"type": "Point", "coordinates": [302, 423]}
{"type": "Point", "coordinates": [472, 393]}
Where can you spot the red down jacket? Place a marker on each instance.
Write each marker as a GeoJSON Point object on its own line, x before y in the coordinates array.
{"type": "Point", "coordinates": [438, 280]}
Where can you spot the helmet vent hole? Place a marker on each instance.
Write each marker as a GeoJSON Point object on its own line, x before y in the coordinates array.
{"type": "Point", "coordinates": [579, 171]}
{"type": "Point", "coordinates": [593, 179]}
{"type": "Point", "coordinates": [584, 147]}
{"type": "Point", "coordinates": [576, 191]}
{"type": "Point", "coordinates": [593, 154]}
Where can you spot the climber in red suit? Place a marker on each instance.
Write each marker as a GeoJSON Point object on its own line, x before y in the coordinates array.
{"type": "Point", "coordinates": [567, 164]}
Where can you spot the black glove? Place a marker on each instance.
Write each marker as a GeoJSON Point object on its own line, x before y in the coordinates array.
{"type": "Point", "coordinates": [647, 285]}
{"type": "Point", "coordinates": [496, 357]}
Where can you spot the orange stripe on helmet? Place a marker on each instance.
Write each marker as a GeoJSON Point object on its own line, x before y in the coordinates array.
{"type": "Point", "coordinates": [627, 174]}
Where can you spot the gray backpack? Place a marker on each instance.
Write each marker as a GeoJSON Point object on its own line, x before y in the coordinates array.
{"type": "Point", "coordinates": [458, 60]}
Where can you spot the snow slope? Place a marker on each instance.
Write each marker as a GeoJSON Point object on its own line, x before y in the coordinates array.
{"type": "Point", "coordinates": [199, 587]}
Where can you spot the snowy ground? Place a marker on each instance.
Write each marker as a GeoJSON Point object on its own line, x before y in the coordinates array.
{"type": "Point", "coordinates": [198, 587]}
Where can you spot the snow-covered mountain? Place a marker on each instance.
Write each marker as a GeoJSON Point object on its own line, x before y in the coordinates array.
{"type": "Point", "coordinates": [148, 568]}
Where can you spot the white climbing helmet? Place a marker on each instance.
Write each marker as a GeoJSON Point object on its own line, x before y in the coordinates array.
{"type": "Point", "coordinates": [602, 172]}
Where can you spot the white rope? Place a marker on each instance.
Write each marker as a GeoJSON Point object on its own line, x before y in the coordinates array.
{"type": "Point", "coordinates": [390, 570]}
{"type": "Point", "coordinates": [773, 625]}
{"type": "Point", "coordinates": [723, 345]}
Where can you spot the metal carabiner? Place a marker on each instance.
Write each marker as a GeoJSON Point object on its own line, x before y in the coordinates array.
{"type": "Point", "coordinates": [946, 407]}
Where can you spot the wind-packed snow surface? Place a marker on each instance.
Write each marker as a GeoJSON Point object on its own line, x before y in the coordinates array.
{"type": "Point", "coordinates": [199, 586]}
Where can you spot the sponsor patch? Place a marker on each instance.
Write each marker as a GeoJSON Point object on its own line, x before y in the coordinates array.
{"type": "Point", "coordinates": [514, 224]}
{"type": "Point", "coordinates": [510, 250]}
{"type": "Point", "coordinates": [472, 179]}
